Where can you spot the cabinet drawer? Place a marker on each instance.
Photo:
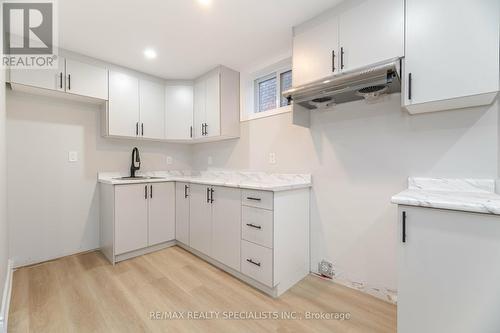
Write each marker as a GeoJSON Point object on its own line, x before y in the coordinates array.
{"type": "Point", "coordinates": [257, 226]}
{"type": "Point", "coordinates": [259, 199]}
{"type": "Point", "coordinates": [257, 262]}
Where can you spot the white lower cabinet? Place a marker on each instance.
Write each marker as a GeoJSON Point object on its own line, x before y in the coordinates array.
{"type": "Point", "coordinates": [448, 269]}
{"type": "Point", "coordinates": [200, 218]}
{"type": "Point", "coordinates": [131, 218]}
{"type": "Point", "coordinates": [226, 225]}
{"type": "Point", "coordinates": [135, 217]}
{"type": "Point", "coordinates": [182, 212]}
{"type": "Point", "coordinates": [257, 262]}
{"type": "Point", "coordinates": [161, 217]}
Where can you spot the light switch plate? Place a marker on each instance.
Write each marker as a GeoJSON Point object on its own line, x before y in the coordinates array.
{"type": "Point", "coordinates": [72, 156]}
{"type": "Point", "coordinates": [170, 160]}
{"type": "Point", "coordinates": [272, 158]}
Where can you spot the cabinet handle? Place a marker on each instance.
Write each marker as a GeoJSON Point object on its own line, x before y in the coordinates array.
{"type": "Point", "coordinates": [185, 191]}
{"type": "Point", "coordinates": [60, 80]}
{"type": "Point", "coordinates": [146, 192]}
{"type": "Point", "coordinates": [69, 81]}
{"type": "Point", "coordinates": [254, 226]}
{"type": "Point", "coordinates": [254, 199]}
{"type": "Point", "coordinates": [253, 262]}
{"type": "Point", "coordinates": [190, 131]}
{"type": "Point", "coordinates": [333, 60]}
{"type": "Point", "coordinates": [137, 128]}
{"type": "Point", "coordinates": [151, 191]}
{"type": "Point", "coordinates": [206, 129]}
{"type": "Point", "coordinates": [341, 58]}
{"type": "Point", "coordinates": [208, 194]}
{"type": "Point", "coordinates": [409, 86]}
{"type": "Point", "coordinates": [212, 195]}
{"type": "Point", "coordinates": [403, 228]}
{"type": "Point", "coordinates": [142, 129]}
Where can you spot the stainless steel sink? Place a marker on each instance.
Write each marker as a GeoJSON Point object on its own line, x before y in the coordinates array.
{"type": "Point", "coordinates": [138, 178]}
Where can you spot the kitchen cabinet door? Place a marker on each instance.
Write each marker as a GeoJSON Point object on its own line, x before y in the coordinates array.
{"type": "Point", "coordinates": [371, 31]}
{"type": "Point", "coordinates": [152, 109]}
{"type": "Point", "coordinates": [131, 218]}
{"type": "Point", "coordinates": [451, 53]}
{"type": "Point", "coordinates": [161, 227]}
{"type": "Point", "coordinates": [86, 80]}
{"type": "Point", "coordinates": [315, 51]}
{"type": "Point", "coordinates": [448, 269]}
{"type": "Point", "coordinates": [52, 79]}
{"type": "Point", "coordinates": [123, 105]}
{"type": "Point", "coordinates": [179, 112]}
{"type": "Point", "coordinates": [226, 226]}
{"type": "Point", "coordinates": [182, 212]}
{"type": "Point", "coordinates": [212, 105]}
{"type": "Point", "coordinates": [199, 114]}
{"type": "Point", "coordinates": [200, 219]}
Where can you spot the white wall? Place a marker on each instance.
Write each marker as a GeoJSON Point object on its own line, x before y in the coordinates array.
{"type": "Point", "coordinates": [53, 205]}
{"type": "Point", "coordinates": [360, 155]}
{"type": "Point", "coordinates": [4, 249]}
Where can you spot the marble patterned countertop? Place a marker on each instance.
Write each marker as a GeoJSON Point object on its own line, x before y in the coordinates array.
{"type": "Point", "coordinates": [470, 195]}
{"type": "Point", "coordinates": [241, 179]}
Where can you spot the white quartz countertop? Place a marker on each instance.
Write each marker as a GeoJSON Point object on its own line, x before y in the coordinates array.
{"type": "Point", "coordinates": [239, 179]}
{"type": "Point", "coordinates": [470, 195]}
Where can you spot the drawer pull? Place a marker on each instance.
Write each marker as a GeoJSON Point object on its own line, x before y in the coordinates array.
{"type": "Point", "coordinates": [253, 262]}
{"type": "Point", "coordinates": [254, 226]}
{"type": "Point", "coordinates": [254, 199]}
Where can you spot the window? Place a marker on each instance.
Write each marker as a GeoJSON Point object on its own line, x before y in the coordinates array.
{"type": "Point", "coordinates": [268, 90]}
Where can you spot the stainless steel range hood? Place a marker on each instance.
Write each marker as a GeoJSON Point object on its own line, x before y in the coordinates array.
{"type": "Point", "coordinates": [365, 83]}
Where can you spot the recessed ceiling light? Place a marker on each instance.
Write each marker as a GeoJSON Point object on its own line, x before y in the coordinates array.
{"type": "Point", "coordinates": [205, 3]}
{"type": "Point", "coordinates": [150, 53]}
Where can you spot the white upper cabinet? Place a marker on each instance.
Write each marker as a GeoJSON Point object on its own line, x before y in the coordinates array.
{"type": "Point", "coordinates": [452, 54]}
{"type": "Point", "coordinates": [315, 51]}
{"type": "Point", "coordinates": [217, 105]}
{"type": "Point", "coordinates": [371, 31]}
{"type": "Point", "coordinates": [86, 80]}
{"type": "Point", "coordinates": [357, 34]}
{"type": "Point", "coordinates": [52, 79]}
{"type": "Point", "coordinates": [179, 112]}
{"type": "Point", "coordinates": [152, 109]}
{"type": "Point", "coordinates": [123, 105]}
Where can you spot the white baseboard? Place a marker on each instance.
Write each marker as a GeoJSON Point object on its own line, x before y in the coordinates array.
{"type": "Point", "coordinates": [4, 311]}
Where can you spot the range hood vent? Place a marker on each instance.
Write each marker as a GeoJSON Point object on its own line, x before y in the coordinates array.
{"type": "Point", "coordinates": [367, 83]}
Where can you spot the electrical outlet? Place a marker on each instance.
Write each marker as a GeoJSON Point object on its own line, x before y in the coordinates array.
{"type": "Point", "coordinates": [325, 268]}
{"type": "Point", "coordinates": [72, 156]}
{"type": "Point", "coordinates": [170, 160]}
{"type": "Point", "coordinates": [210, 160]}
{"type": "Point", "coordinates": [272, 158]}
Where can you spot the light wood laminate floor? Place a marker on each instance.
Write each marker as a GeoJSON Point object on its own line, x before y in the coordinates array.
{"type": "Point", "coordinates": [84, 293]}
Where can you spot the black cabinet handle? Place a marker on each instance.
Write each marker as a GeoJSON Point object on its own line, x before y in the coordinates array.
{"type": "Point", "coordinates": [403, 227]}
{"type": "Point", "coordinates": [190, 131]}
{"type": "Point", "coordinates": [137, 128]}
{"type": "Point", "coordinates": [208, 194]}
{"type": "Point", "coordinates": [142, 129]}
{"type": "Point", "coordinates": [60, 80]}
{"type": "Point", "coordinates": [341, 58]}
{"type": "Point", "coordinates": [254, 199]}
{"type": "Point", "coordinates": [206, 129]}
{"type": "Point", "coordinates": [185, 191]}
{"type": "Point", "coordinates": [146, 192]}
{"type": "Point", "coordinates": [212, 195]}
{"type": "Point", "coordinates": [409, 86]}
{"type": "Point", "coordinates": [333, 60]}
{"type": "Point", "coordinates": [254, 226]}
{"type": "Point", "coordinates": [253, 262]}
{"type": "Point", "coordinates": [151, 191]}
{"type": "Point", "coordinates": [69, 81]}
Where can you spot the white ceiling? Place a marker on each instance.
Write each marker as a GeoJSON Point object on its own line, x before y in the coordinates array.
{"type": "Point", "coordinates": [188, 37]}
